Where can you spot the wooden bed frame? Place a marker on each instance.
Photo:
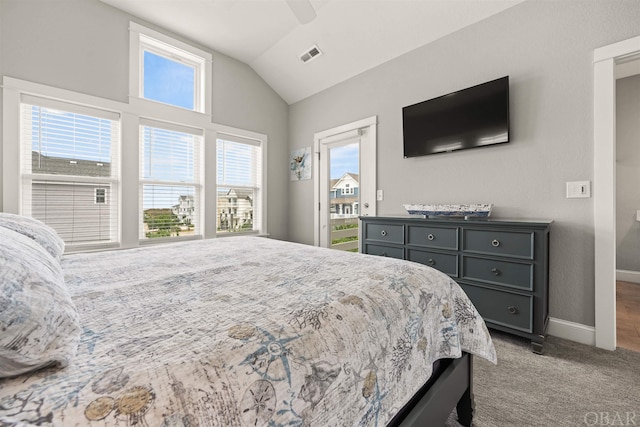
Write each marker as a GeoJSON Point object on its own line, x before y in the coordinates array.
{"type": "Point", "coordinates": [451, 388]}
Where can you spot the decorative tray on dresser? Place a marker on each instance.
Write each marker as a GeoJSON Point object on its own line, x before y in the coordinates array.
{"type": "Point", "coordinates": [502, 265]}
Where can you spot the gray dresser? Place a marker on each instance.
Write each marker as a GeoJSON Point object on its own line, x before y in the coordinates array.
{"type": "Point", "coordinates": [502, 265]}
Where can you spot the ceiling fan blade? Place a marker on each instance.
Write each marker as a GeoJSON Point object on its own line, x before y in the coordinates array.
{"type": "Point", "coordinates": [303, 10]}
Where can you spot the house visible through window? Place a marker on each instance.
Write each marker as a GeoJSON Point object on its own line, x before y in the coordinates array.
{"type": "Point", "coordinates": [239, 184]}
{"type": "Point", "coordinates": [170, 181]}
{"type": "Point", "coordinates": [69, 169]}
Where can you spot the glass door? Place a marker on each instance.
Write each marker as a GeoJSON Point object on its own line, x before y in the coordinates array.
{"type": "Point", "coordinates": [345, 183]}
{"type": "Point", "coordinates": [344, 195]}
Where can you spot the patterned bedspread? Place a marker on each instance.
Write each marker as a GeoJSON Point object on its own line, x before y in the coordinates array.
{"type": "Point", "coordinates": [246, 331]}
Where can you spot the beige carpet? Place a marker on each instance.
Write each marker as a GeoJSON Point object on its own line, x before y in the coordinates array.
{"type": "Point", "coordinates": [569, 385]}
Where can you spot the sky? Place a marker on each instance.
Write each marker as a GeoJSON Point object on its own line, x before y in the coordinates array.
{"type": "Point", "coordinates": [344, 159]}
{"type": "Point", "coordinates": [158, 71]}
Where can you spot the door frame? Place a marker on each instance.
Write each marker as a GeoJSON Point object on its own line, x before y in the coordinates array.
{"type": "Point", "coordinates": [367, 154]}
{"type": "Point", "coordinates": [604, 180]}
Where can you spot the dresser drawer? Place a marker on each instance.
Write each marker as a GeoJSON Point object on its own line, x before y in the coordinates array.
{"type": "Point", "coordinates": [433, 237]}
{"type": "Point", "coordinates": [384, 251]}
{"type": "Point", "coordinates": [503, 308]}
{"type": "Point", "coordinates": [447, 263]}
{"type": "Point", "coordinates": [508, 243]}
{"type": "Point", "coordinates": [513, 274]}
{"type": "Point", "coordinates": [384, 233]}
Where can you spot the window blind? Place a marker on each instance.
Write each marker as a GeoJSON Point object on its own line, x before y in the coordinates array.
{"type": "Point", "coordinates": [170, 180]}
{"type": "Point", "coordinates": [239, 184]}
{"type": "Point", "coordinates": [70, 170]}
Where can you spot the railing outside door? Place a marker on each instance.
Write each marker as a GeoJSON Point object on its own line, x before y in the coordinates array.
{"type": "Point", "coordinates": [344, 234]}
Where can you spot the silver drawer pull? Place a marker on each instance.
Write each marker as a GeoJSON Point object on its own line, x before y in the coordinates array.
{"type": "Point", "coordinates": [383, 232]}
{"type": "Point", "coordinates": [495, 243]}
{"type": "Point", "coordinates": [496, 272]}
{"type": "Point", "coordinates": [431, 237]}
{"type": "Point", "coordinates": [512, 310]}
{"type": "Point", "coordinates": [430, 261]}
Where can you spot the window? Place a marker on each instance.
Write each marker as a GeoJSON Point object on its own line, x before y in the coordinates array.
{"type": "Point", "coordinates": [239, 184]}
{"type": "Point", "coordinates": [168, 80]}
{"type": "Point", "coordinates": [169, 180]}
{"type": "Point", "coordinates": [70, 169]}
{"type": "Point", "coordinates": [68, 148]}
{"type": "Point", "coordinates": [100, 196]}
{"type": "Point", "coordinates": [168, 71]}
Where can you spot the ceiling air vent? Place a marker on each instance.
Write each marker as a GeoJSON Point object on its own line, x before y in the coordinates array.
{"type": "Point", "coordinates": [310, 54]}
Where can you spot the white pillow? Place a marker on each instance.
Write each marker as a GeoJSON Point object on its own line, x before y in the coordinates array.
{"type": "Point", "coordinates": [36, 230]}
{"type": "Point", "coordinates": [39, 324]}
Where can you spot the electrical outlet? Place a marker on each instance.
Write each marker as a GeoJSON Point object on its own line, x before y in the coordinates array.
{"type": "Point", "coordinates": [578, 189]}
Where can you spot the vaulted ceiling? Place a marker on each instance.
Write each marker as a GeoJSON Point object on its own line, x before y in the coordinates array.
{"type": "Point", "coordinates": [353, 35]}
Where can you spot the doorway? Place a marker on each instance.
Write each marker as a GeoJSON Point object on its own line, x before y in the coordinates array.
{"type": "Point", "coordinates": [345, 183]}
{"type": "Point", "coordinates": [604, 65]}
{"type": "Point", "coordinates": [627, 205]}
{"type": "Point", "coordinates": [340, 193]}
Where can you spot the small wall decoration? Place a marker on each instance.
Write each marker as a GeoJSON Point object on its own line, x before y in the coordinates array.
{"type": "Point", "coordinates": [300, 164]}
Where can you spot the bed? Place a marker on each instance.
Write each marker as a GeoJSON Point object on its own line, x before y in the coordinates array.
{"type": "Point", "coordinates": [232, 332]}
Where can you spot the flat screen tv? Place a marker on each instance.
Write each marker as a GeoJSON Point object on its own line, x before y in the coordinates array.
{"type": "Point", "coordinates": [474, 117]}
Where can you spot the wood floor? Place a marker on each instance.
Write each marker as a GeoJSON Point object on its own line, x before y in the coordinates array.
{"type": "Point", "coordinates": [628, 315]}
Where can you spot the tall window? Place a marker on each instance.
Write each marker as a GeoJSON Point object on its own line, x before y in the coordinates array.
{"type": "Point", "coordinates": [239, 184]}
{"type": "Point", "coordinates": [170, 180]}
{"type": "Point", "coordinates": [70, 169]}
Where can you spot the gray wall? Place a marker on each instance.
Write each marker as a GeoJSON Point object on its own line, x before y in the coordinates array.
{"type": "Point", "coordinates": [628, 173]}
{"type": "Point", "coordinates": [546, 47]}
{"type": "Point", "coordinates": [83, 46]}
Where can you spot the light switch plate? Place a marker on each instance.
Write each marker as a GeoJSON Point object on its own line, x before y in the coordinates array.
{"type": "Point", "coordinates": [578, 189]}
{"type": "Point", "coordinates": [379, 195]}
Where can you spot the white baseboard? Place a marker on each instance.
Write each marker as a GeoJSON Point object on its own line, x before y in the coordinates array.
{"type": "Point", "coordinates": [628, 276]}
{"type": "Point", "coordinates": [572, 331]}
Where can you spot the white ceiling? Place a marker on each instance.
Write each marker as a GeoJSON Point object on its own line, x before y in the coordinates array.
{"type": "Point", "coordinates": [354, 35]}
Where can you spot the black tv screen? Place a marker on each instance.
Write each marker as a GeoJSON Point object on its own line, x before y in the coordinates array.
{"type": "Point", "coordinates": [474, 117]}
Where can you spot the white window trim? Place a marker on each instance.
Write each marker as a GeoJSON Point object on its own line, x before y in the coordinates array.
{"type": "Point", "coordinates": [164, 45]}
